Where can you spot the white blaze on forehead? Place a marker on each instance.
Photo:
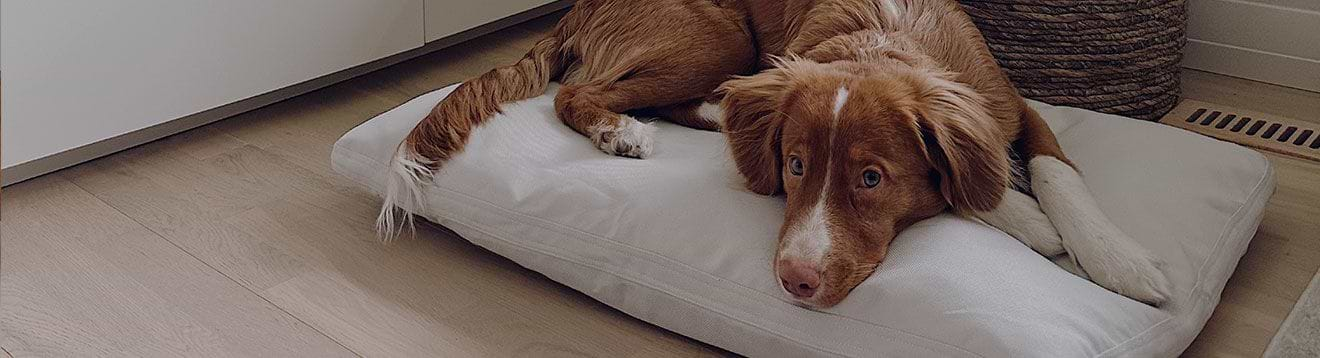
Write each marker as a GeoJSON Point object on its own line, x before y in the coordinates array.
{"type": "Point", "coordinates": [891, 8]}
{"type": "Point", "coordinates": [840, 98]}
{"type": "Point", "coordinates": [809, 239]}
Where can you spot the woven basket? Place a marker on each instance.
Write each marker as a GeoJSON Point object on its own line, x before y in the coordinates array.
{"type": "Point", "coordinates": [1112, 56]}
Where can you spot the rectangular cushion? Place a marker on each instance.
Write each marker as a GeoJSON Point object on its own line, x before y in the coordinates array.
{"type": "Point", "coordinates": [675, 240]}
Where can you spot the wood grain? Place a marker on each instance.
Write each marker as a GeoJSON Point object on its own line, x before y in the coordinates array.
{"type": "Point", "coordinates": [254, 198]}
{"type": "Point", "coordinates": [1258, 96]}
{"type": "Point", "coordinates": [1285, 253]}
{"type": "Point", "coordinates": [81, 279]}
{"type": "Point", "coordinates": [237, 239]}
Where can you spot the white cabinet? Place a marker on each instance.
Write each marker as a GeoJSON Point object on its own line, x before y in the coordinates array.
{"type": "Point", "coordinates": [80, 71]}
{"type": "Point", "coordinates": [448, 17]}
{"type": "Point", "coordinates": [121, 72]}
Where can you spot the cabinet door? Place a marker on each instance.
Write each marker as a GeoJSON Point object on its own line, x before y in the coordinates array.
{"type": "Point", "coordinates": [448, 17]}
{"type": "Point", "coordinates": [79, 71]}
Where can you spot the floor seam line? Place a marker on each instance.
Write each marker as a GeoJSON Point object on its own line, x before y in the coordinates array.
{"type": "Point", "coordinates": [213, 268]}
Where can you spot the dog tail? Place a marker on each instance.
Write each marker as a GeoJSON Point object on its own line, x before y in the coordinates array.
{"type": "Point", "coordinates": [445, 130]}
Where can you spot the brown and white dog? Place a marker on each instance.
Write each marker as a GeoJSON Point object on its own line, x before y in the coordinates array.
{"type": "Point", "coordinates": [869, 115]}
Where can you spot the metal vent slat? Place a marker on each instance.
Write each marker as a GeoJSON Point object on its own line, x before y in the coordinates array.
{"type": "Point", "coordinates": [1211, 118]}
{"type": "Point", "coordinates": [1255, 128]}
{"type": "Point", "coordinates": [1195, 115]}
{"type": "Point", "coordinates": [1240, 124]}
{"type": "Point", "coordinates": [1224, 122]}
{"type": "Point", "coordinates": [1269, 132]}
{"type": "Point", "coordinates": [1301, 139]}
{"type": "Point", "coordinates": [1287, 133]}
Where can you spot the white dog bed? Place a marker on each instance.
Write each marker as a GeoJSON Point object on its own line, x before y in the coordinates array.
{"type": "Point", "coordinates": [676, 241]}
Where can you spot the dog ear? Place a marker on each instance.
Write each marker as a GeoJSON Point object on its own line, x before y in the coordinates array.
{"type": "Point", "coordinates": [753, 123]}
{"type": "Point", "coordinates": [962, 141]}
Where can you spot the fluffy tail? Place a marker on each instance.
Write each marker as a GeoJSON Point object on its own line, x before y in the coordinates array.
{"type": "Point", "coordinates": [444, 131]}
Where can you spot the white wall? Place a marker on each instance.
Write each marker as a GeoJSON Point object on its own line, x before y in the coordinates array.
{"type": "Point", "coordinates": [80, 71]}
{"type": "Point", "coordinates": [448, 17]}
{"type": "Point", "coordinates": [1275, 41]}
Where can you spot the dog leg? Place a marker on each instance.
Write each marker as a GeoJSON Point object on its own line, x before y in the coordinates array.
{"type": "Point", "coordinates": [595, 109]}
{"type": "Point", "coordinates": [587, 109]}
{"type": "Point", "coordinates": [1020, 216]}
{"type": "Point", "coordinates": [697, 114]}
{"type": "Point", "coordinates": [1111, 258]}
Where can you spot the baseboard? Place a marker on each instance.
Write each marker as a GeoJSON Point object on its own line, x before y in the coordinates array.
{"type": "Point", "coordinates": [1279, 69]}
{"type": "Point", "coordinates": [51, 163]}
{"type": "Point", "coordinates": [1268, 41]}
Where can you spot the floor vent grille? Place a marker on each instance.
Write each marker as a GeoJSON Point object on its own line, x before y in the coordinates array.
{"type": "Point", "coordinates": [1272, 133]}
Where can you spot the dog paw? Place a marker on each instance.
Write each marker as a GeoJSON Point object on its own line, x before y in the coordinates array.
{"type": "Point", "coordinates": [630, 138]}
{"type": "Point", "coordinates": [1111, 258]}
{"type": "Point", "coordinates": [1127, 269]}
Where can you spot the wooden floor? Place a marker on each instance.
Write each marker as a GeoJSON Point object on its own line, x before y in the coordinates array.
{"type": "Point", "coordinates": [236, 239]}
{"type": "Point", "coordinates": [1285, 253]}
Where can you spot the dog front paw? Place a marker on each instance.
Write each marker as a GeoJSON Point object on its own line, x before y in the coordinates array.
{"type": "Point", "coordinates": [1111, 258]}
{"type": "Point", "coordinates": [630, 138]}
{"type": "Point", "coordinates": [1122, 266]}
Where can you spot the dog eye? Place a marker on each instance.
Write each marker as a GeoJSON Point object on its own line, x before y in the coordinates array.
{"type": "Point", "coordinates": [795, 166]}
{"type": "Point", "coordinates": [870, 178]}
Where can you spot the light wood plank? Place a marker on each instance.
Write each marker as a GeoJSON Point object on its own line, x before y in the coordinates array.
{"type": "Point", "coordinates": [1285, 253]}
{"type": "Point", "coordinates": [203, 143]}
{"type": "Point", "coordinates": [186, 202]}
{"type": "Point", "coordinates": [271, 215]}
{"type": "Point", "coordinates": [81, 279]}
{"type": "Point", "coordinates": [1247, 94]}
{"type": "Point", "coordinates": [440, 295]}
{"type": "Point", "coordinates": [321, 261]}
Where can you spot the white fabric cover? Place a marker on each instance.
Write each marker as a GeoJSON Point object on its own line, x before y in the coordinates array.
{"type": "Point", "coordinates": [676, 241]}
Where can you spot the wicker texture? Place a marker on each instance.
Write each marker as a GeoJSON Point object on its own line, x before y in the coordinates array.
{"type": "Point", "coordinates": [1112, 56]}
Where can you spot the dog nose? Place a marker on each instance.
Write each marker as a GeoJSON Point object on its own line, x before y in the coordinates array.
{"type": "Point", "coordinates": [799, 277]}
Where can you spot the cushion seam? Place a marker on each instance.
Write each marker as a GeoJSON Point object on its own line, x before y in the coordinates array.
{"type": "Point", "coordinates": [1141, 339]}
{"type": "Point", "coordinates": [1236, 218]}
{"type": "Point", "coordinates": [599, 239]}
{"type": "Point", "coordinates": [599, 268]}
{"type": "Point", "coordinates": [559, 228]}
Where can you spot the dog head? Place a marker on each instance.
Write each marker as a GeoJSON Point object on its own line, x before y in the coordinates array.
{"type": "Point", "coordinates": [861, 151]}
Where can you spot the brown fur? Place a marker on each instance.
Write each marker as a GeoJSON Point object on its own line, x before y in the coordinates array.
{"type": "Point", "coordinates": [444, 131]}
{"type": "Point", "coordinates": [612, 56]}
{"type": "Point", "coordinates": [928, 106]}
